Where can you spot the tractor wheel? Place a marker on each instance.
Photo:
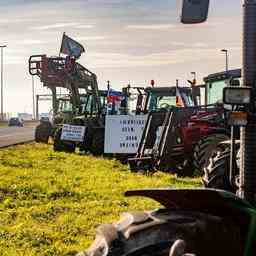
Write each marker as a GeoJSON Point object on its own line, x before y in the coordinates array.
{"type": "Point", "coordinates": [217, 173]}
{"type": "Point", "coordinates": [97, 146]}
{"type": "Point", "coordinates": [185, 169]}
{"type": "Point", "coordinates": [42, 132]}
{"type": "Point", "coordinates": [167, 233]}
{"type": "Point", "coordinates": [62, 146]}
{"type": "Point", "coordinates": [206, 148]}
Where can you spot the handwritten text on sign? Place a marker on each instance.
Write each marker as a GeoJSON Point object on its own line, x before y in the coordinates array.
{"type": "Point", "coordinates": [72, 133]}
{"type": "Point", "coordinates": [123, 133]}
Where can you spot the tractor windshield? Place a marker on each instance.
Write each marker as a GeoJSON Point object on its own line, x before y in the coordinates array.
{"type": "Point", "coordinates": [87, 103]}
{"type": "Point", "coordinates": [64, 106]}
{"type": "Point", "coordinates": [169, 98]}
{"type": "Point", "coordinates": [215, 91]}
{"type": "Point", "coordinates": [215, 83]}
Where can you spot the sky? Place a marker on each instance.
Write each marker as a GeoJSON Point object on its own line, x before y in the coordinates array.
{"type": "Point", "coordinates": [126, 41]}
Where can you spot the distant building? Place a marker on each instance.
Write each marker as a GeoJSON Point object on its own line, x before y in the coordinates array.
{"type": "Point", "coordinates": [25, 116]}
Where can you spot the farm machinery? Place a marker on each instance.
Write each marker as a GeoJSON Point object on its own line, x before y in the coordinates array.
{"type": "Point", "coordinates": [81, 83]}
{"type": "Point", "coordinates": [200, 221]}
{"type": "Point", "coordinates": [182, 139]}
{"type": "Point", "coordinates": [135, 101]}
{"type": "Point", "coordinates": [92, 120]}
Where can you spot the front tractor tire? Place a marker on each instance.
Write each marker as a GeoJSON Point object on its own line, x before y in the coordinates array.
{"type": "Point", "coordinates": [217, 173]}
{"type": "Point", "coordinates": [62, 146]}
{"type": "Point", "coordinates": [43, 132]}
{"type": "Point", "coordinates": [206, 148]}
{"type": "Point", "coordinates": [167, 233]}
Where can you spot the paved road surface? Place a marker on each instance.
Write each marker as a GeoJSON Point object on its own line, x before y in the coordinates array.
{"type": "Point", "coordinates": [14, 135]}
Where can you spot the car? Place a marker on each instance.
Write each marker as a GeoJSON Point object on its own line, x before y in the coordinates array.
{"type": "Point", "coordinates": [15, 121]}
{"type": "Point", "coordinates": [44, 119]}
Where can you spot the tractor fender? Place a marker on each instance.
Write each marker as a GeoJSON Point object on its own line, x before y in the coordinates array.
{"type": "Point", "coordinates": [228, 142]}
{"type": "Point", "coordinates": [217, 202]}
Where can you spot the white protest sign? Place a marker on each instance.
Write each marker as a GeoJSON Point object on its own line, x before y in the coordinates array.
{"type": "Point", "coordinates": [72, 133]}
{"type": "Point", "coordinates": [123, 133]}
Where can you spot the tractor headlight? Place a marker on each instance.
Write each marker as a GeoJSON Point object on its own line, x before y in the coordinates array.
{"type": "Point", "coordinates": [237, 95]}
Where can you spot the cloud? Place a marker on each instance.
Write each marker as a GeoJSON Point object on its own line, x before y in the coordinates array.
{"type": "Point", "coordinates": [188, 55]}
{"type": "Point", "coordinates": [151, 27]}
{"type": "Point", "coordinates": [30, 42]}
{"type": "Point", "coordinates": [85, 26]}
{"type": "Point", "coordinates": [63, 25]}
{"type": "Point", "coordinates": [90, 38]}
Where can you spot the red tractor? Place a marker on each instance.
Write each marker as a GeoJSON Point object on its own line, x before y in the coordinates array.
{"type": "Point", "coordinates": [182, 139]}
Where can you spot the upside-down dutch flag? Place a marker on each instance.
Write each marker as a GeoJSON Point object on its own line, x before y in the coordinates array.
{"type": "Point", "coordinates": [114, 96]}
{"type": "Point", "coordinates": [179, 100]}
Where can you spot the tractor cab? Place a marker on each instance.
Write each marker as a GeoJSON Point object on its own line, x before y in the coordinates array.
{"type": "Point", "coordinates": [87, 103]}
{"type": "Point", "coordinates": [215, 83]}
{"type": "Point", "coordinates": [167, 97]}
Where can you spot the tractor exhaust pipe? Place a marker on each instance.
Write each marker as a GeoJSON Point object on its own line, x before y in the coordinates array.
{"type": "Point", "coordinates": [247, 186]}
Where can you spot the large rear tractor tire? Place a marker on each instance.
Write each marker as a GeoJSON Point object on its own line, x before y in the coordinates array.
{"type": "Point", "coordinates": [217, 173]}
{"type": "Point", "coordinates": [62, 146]}
{"type": "Point", "coordinates": [43, 132]}
{"type": "Point", "coordinates": [167, 233]}
{"type": "Point", "coordinates": [206, 148]}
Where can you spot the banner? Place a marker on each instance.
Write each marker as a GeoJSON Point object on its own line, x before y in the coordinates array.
{"type": "Point", "coordinates": [123, 133]}
{"type": "Point", "coordinates": [73, 133]}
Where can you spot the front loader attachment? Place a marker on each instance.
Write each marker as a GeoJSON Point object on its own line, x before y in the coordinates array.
{"type": "Point", "coordinates": [162, 145]}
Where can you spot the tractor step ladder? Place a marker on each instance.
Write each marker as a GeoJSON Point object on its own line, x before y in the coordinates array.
{"type": "Point", "coordinates": [149, 150]}
{"type": "Point", "coordinates": [149, 158]}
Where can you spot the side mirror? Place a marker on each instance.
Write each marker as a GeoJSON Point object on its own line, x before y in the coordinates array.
{"type": "Point", "coordinates": [194, 11]}
{"type": "Point", "coordinates": [237, 95]}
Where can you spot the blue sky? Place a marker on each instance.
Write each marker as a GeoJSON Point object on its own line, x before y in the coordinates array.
{"type": "Point", "coordinates": [126, 41]}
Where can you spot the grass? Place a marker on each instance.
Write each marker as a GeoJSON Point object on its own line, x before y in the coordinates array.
{"type": "Point", "coordinates": [50, 203]}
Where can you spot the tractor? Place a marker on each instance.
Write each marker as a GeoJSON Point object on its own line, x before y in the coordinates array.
{"type": "Point", "coordinates": [127, 102]}
{"type": "Point", "coordinates": [200, 221]}
{"type": "Point", "coordinates": [59, 72]}
{"type": "Point", "coordinates": [91, 118]}
{"type": "Point", "coordinates": [182, 139]}
{"type": "Point", "coordinates": [209, 146]}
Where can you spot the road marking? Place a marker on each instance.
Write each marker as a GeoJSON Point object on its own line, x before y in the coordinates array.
{"type": "Point", "coordinates": [16, 134]}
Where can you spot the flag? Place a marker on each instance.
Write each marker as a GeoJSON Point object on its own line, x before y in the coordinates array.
{"type": "Point", "coordinates": [114, 99]}
{"type": "Point", "coordinates": [71, 47]}
{"type": "Point", "coordinates": [179, 100]}
{"type": "Point", "coordinates": [114, 96]}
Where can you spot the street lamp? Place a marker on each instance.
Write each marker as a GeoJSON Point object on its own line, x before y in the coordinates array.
{"type": "Point", "coordinates": [226, 53]}
{"type": "Point", "coordinates": [2, 97]}
{"type": "Point", "coordinates": [33, 97]}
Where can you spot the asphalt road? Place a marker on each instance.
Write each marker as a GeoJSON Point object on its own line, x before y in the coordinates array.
{"type": "Point", "coordinates": [15, 135]}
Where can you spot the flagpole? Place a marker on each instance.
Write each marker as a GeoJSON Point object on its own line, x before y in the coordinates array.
{"type": "Point", "coordinates": [62, 42]}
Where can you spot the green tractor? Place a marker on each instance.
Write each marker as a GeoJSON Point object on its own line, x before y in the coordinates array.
{"type": "Point", "coordinates": [203, 221]}
{"type": "Point", "coordinates": [90, 121]}
{"type": "Point", "coordinates": [216, 142]}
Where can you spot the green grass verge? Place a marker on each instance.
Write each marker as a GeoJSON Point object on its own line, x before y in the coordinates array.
{"type": "Point", "coordinates": [50, 203]}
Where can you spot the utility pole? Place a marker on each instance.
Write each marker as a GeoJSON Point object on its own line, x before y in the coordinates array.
{"type": "Point", "coordinates": [226, 54]}
{"type": "Point", "coordinates": [247, 184]}
{"type": "Point", "coordinates": [2, 79]}
{"type": "Point", "coordinates": [33, 97]}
